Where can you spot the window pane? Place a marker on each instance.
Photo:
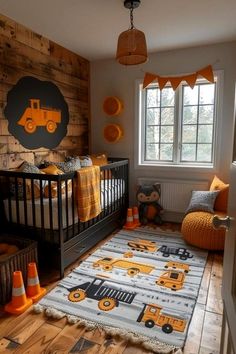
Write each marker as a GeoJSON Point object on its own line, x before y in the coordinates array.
{"type": "Point", "coordinates": [190, 115]}
{"type": "Point", "coordinates": [167, 97]}
{"type": "Point", "coordinates": [167, 134]}
{"type": "Point", "coordinates": [166, 152]}
{"type": "Point", "coordinates": [188, 152]}
{"type": "Point", "coordinates": [153, 97]}
{"type": "Point", "coordinates": [167, 116]}
{"type": "Point", "coordinates": [190, 95]}
{"type": "Point", "coordinates": [189, 134]}
{"type": "Point", "coordinates": [152, 134]}
{"type": "Point", "coordinates": [206, 114]}
{"type": "Point", "coordinates": [153, 116]}
{"type": "Point", "coordinates": [205, 133]}
{"type": "Point", "coordinates": [207, 93]}
{"type": "Point", "coordinates": [204, 152]}
{"type": "Point", "coordinates": [152, 152]}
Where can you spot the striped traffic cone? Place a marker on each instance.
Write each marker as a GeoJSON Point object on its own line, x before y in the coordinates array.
{"type": "Point", "coordinates": [19, 302]}
{"type": "Point", "coordinates": [33, 290]}
{"type": "Point", "coordinates": [136, 216]}
{"type": "Point", "coordinates": [129, 225]}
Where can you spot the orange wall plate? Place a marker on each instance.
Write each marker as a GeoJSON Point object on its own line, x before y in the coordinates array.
{"type": "Point", "coordinates": [113, 133]}
{"type": "Point", "coordinates": [112, 106]}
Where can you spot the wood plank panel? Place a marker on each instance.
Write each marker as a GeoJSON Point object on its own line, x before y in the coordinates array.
{"type": "Point", "coordinates": [40, 340]}
{"type": "Point", "coordinates": [55, 54]}
{"type": "Point", "coordinates": [214, 300]}
{"type": "Point", "coordinates": [25, 328]}
{"type": "Point", "coordinates": [11, 75]}
{"type": "Point", "coordinates": [8, 322]}
{"type": "Point", "coordinates": [210, 342]}
{"type": "Point", "coordinates": [28, 59]}
{"type": "Point", "coordinates": [65, 340]}
{"type": "Point", "coordinates": [204, 287]}
{"type": "Point", "coordinates": [79, 64]}
{"type": "Point", "coordinates": [7, 26]}
{"type": "Point", "coordinates": [193, 341]}
{"type": "Point", "coordinates": [7, 346]}
{"type": "Point", "coordinates": [114, 346]}
{"type": "Point", "coordinates": [26, 53]}
{"type": "Point", "coordinates": [32, 39]}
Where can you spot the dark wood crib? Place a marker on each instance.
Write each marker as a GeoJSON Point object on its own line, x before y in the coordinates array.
{"type": "Point", "coordinates": [52, 220]}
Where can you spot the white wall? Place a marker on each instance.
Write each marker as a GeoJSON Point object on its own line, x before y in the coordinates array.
{"type": "Point", "coordinates": [109, 78]}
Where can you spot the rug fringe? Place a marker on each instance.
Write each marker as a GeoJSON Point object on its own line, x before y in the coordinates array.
{"type": "Point", "coordinates": [146, 342]}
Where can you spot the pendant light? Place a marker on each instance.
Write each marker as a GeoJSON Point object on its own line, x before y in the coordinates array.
{"type": "Point", "coordinates": [131, 46]}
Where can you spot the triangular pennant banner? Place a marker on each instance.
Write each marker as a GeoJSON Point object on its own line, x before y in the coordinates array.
{"type": "Point", "coordinates": [175, 81]}
{"type": "Point", "coordinates": [162, 81]}
{"type": "Point", "coordinates": [148, 78]}
{"type": "Point", "coordinates": [190, 79]}
{"type": "Point", "coordinates": [207, 73]}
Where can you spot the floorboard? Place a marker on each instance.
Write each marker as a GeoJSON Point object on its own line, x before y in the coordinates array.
{"type": "Point", "coordinates": [35, 334]}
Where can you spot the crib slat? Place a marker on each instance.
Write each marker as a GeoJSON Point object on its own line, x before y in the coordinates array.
{"type": "Point", "coordinates": [33, 203]}
{"type": "Point", "coordinates": [17, 201]}
{"type": "Point", "coordinates": [25, 200]}
{"type": "Point", "coordinates": [41, 207]}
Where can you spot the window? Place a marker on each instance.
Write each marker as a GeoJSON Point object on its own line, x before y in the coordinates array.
{"type": "Point", "coordinates": [178, 127]}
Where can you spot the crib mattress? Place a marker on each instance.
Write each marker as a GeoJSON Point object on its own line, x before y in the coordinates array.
{"type": "Point", "coordinates": [111, 191]}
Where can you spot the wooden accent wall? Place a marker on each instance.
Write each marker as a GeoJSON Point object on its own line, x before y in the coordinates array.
{"type": "Point", "coordinates": [25, 53]}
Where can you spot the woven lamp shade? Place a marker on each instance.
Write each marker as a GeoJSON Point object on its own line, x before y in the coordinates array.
{"type": "Point", "coordinates": [131, 47]}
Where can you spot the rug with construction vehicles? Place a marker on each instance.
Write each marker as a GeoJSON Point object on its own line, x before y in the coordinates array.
{"type": "Point", "coordinates": [141, 284]}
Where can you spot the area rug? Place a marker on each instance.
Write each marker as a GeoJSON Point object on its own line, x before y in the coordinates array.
{"type": "Point", "coordinates": [141, 284]}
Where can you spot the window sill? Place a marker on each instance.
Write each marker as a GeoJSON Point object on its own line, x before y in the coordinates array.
{"type": "Point", "coordinates": [182, 168]}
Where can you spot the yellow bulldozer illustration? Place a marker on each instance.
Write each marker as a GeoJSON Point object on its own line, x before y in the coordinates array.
{"type": "Point", "coordinates": [143, 245]}
{"type": "Point", "coordinates": [133, 268]}
{"type": "Point", "coordinates": [36, 116]}
{"type": "Point", "coordinates": [151, 315]}
{"type": "Point", "coordinates": [172, 279]}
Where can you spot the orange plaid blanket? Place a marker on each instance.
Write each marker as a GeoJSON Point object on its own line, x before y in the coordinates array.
{"type": "Point", "coordinates": [88, 193]}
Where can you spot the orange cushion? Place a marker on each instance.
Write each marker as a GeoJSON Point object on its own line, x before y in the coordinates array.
{"type": "Point", "coordinates": [52, 170]}
{"type": "Point", "coordinates": [99, 159]}
{"type": "Point", "coordinates": [222, 198]}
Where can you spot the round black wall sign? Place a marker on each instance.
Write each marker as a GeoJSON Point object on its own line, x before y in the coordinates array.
{"type": "Point", "coordinates": [37, 113]}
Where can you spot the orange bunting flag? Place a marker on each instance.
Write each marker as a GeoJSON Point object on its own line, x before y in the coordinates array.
{"type": "Point", "coordinates": [207, 73]}
{"type": "Point", "coordinates": [148, 79]}
{"type": "Point", "coordinates": [175, 81]}
{"type": "Point", "coordinates": [162, 81]}
{"type": "Point", "coordinates": [190, 79]}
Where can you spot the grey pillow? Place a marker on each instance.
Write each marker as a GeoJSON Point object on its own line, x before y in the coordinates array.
{"type": "Point", "coordinates": [71, 165]}
{"type": "Point", "coordinates": [85, 161]}
{"type": "Point", "coordinates": [202, 201]}
{"type": "Point", "coordinates": [29, 168]}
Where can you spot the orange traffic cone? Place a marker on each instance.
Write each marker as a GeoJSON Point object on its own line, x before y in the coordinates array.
{"type": "Point", "coordinates": [129, 225]}
{"type": "Point", "coordinates": [33, 290]}
{"type": "Point", "coordinates": [19, 302]}
{"type": "Point", "coordinates": [136, 216]}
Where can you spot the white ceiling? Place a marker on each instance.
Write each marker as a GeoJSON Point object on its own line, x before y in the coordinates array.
{"type": "Point", "coordinates": [91, 27]}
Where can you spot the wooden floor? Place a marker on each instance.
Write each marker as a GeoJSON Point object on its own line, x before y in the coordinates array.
{"type": "Point", "coordinates": [32, 334]}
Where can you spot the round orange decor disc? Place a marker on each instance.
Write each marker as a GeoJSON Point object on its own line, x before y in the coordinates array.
{"type": "Point", "coordinates": [112, 106]}
{"type": "Point", "coordinates": [113, 133]}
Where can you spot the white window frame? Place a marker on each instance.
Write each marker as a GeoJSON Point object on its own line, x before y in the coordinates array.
{"type": "Point", "coordinates": [140, 163]}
